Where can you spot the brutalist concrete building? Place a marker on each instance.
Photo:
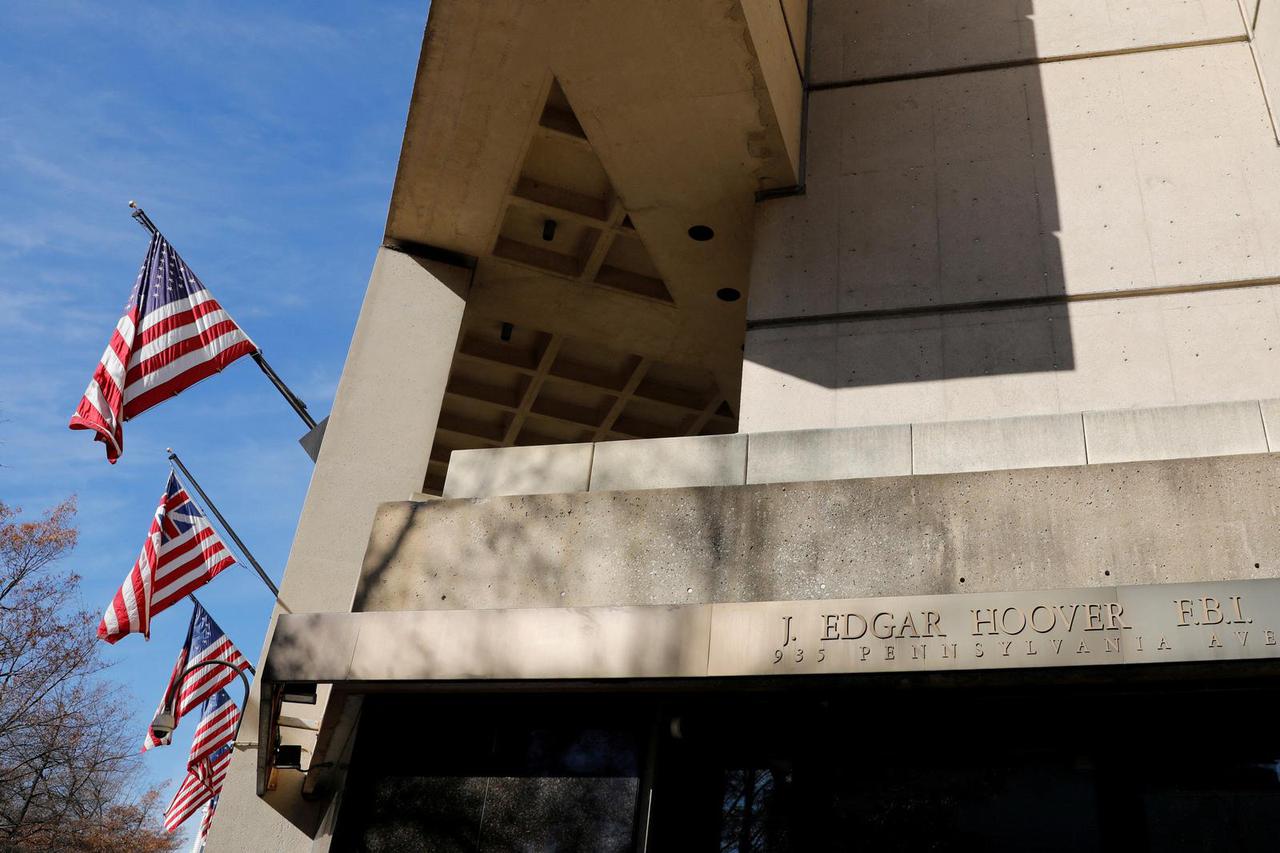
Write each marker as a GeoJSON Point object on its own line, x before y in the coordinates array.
{"type": "Point", "coordinates": [787, 426]}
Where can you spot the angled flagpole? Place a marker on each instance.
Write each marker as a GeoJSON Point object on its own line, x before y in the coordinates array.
{"type": "Point", "coordinates": [291, 398]}
{"type": "Point", "coordinates": [174, 460]}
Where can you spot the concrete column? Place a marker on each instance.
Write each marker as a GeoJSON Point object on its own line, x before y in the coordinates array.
{"type": "Point", "coordinates": [376, 449]}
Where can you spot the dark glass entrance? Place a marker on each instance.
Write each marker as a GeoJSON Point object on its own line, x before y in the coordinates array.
{"type": "Point", "coordinates": [1037, 764]}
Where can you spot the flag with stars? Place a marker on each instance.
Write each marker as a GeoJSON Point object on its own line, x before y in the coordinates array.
{"type": "Point", "coordinates": [195, 679]}
{"type": "Point", "coordinates": [173, 334]}
{"type": "Point", "coordinates": [202, 784]}
{"type": "Point", "coordinates": [182, 553]}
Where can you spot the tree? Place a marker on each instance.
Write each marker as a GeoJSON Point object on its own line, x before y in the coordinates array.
{"type": "Point", "coordinates": [68, 767]}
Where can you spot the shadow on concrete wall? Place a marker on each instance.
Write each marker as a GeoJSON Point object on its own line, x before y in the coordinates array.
{"type": "Point", "coordinates": [926, 244]}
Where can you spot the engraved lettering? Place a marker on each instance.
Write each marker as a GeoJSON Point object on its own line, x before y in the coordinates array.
{"type": "Point", "coordinates": [908, 623]}
{"type": "Point", "coordinates": [1071, 620]}
{"type": "Point", "coordinates": [1057, 646]}
{"type": "Point", "coordinates": [979, 620]}
{"type": "Point", "coordinates": [1005, 644]}
{"type": "Point", "coordinates": [777, 655]}
{"type": "Point", "coordinates": [1004, 620]}
{"type": "Point", "coordinates": [1164, 645]}
{"type": "Point", "coordinates": [977, 650]}
{"type": "Point", "coordinates": [799, 655]}
{"type": "Point", "coordinates": [1270, 637]}
{"type": "Point", "coordinates": [822, 654]}
{"type": "Point", "coordinates": [1084, 649]}
{"type": "Point", "coordinates": [889, 652]}
{"type": "Point", "coordinates": [1214, 643]}
{"type": "Point", "coordinates": [1031, 649]}
{"type": "Point", "coordinates": [919, 652]}
{"type": "Point", "coordinates": [1243, 637]}
{"type": "Point", "coordinates": [931, 624]}
{"type": "Point", "coordinates": [831, 627]}
{"type": "Point", "coordinates": [1211, 609]}
{"type": "Point", "coordinates": [1113, 644]}
{"type": "Point", "coordinates": [1095, 618]}
{"type": "Point", "coordinates": [1139, 639]}
{"type": "Point", "coordinates": [863, 652]}
{"type": "Point", "coordinates": [954, 651]}
{"type": "Point", "coordinates": [786, 631]}
{"type": "Point", "coordinates": [882, 632]}
{"type": "Point", "coordinates": [1235, 603]}
{"type": "Point", "coordinates": [1053, 619]}
{"type": "Point", "coordinates": [848, 629]}
{"type": "Point", "coordinates": [1186, 610]}
{"type": "Point", "coordinates": [1114, 611]}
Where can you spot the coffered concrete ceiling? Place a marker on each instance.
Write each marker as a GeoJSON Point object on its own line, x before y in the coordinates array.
{"type": "Point", "coordinates": [570, 148]}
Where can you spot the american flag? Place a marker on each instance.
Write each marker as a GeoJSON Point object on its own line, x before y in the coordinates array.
{"type": "Point", "coordinates": [202, 783]}
{"type": "Point", "coordinates": [206, 821]}
{"type": "Point", "coordinates": [173, 334]}
{"type": "Point", "coordinates": [182, 553]}
{"type": "Point", "coordinates": [205, 642]}
{"type": "Point", "coordinates": [217, 727]}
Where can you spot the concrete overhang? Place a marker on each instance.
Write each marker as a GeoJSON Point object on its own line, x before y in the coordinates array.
{"type": "Point", "coordinates": [533, 572]}
{"type": "Point", "coordinates": [625, 125]}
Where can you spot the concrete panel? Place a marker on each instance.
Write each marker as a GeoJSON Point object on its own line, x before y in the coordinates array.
{"type": "Point", "coordinates": [989, 244]}
{"type": "Point", "coordinates": [828, 454]}
{"type": "Point", "coordinates": [1000, 363]}
{"type": "Point", "coordinates": [1266, 39]}
{"type": "Point", "coordinates": [1271, 422]}
{"type": "Point", "coordinates": [608, 642]}
{"type": "Point", "coordinates": [1200, 215]}
{"type": "Point", "coordinates": [890, 372]}
{"type": "Point", "coordinates": [876, 38]}
{"type": "Point", "coordinates": [1174, 433]}
{"type": "Point", "coordinates": [1033, 442]}
{"type": "Point", "coordinates": [789, 379]}
{"type": "Point", "coordinates": [1223, 346]}
{"type": "Point", "coordinates": [1108, 174]}
{"type": "Point", "coordinates": [538, 470]}
{"type": "Point", "coordinates": [1120, 358]}
{"type": "Point", "coordinates": [1042, 528]}
{"type": "Point", "coordinates": [663, 463]}
{"type": "Point", "coordinates": [888, 253]}
{"type": "Point", "coordinates": [810, 228]}
{"type": "Point", "coordinates": [376, 447]}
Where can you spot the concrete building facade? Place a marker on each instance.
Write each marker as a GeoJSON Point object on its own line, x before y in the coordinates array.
{"type": "Point", "coordinates": [750, 403]}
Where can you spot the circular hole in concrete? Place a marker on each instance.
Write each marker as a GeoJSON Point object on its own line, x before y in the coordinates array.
{"type": "Point", "coordinates": [728, 294]}
{"type": "Point", "coordinates": [701, 233]}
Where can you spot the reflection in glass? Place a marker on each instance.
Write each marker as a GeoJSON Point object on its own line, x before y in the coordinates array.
{"type": "Point", "coordinates": [748, 813]}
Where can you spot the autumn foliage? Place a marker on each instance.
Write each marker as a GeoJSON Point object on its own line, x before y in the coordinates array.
{"type": "Point", "coordinates": [68, 767]}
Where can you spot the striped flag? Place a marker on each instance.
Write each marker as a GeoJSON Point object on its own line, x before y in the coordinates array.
{"type": "Point", "coordinates": [182, 553]}
{"type": "Point", "coordinates": [206, 821]}
{"type": "Point", "coordinates": [173, 334]}
{"type": "Point", "coordinates": [205, 642]}
{"type": "Point", "coordinates": [217, 726]}
{"type": "Point", "coordinates": [202, 783]}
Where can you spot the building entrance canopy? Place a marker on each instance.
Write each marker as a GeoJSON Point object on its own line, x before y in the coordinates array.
{"type": "Point", "coordinates": [1170, 623]}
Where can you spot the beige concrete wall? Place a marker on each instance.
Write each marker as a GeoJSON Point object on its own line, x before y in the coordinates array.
{"type": "Point", "coordinates": [1042, 528]}
{"type": "Point", "coordinates": [862, 39]}
{"type": "Point", "coordinates": [1265, 20]}
{"type": "Point", "coordinates": [1079, 179]}
{"type": "Point", "coordinates": [375, 449]}
{"type": "Point", "coordinates": [845, 453]}
{"type": "Point", "coordinates": [1098, 355]}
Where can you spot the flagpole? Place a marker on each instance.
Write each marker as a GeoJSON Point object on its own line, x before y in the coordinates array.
{"type": "Point", "coordinates": [294, 401]}
{"type": "Point", "coordinates": [173, 457]}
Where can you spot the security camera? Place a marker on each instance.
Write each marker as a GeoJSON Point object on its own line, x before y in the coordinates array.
{"type": "Point", "coordinates": [163, 724]}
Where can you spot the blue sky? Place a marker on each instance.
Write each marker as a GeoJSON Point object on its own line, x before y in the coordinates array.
{"type": "Point", "coordinates": [262, 138]}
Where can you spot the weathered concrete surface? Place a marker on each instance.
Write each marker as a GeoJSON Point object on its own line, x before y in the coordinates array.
{"type": "Point", "coordinates": [858, 39]}
{"type": "Point", "coordinates": [541, 469]}
{"type": "Point", "coordinates": [375, 448]}
{"type": "Point", "coordinates": [1144, 522]}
